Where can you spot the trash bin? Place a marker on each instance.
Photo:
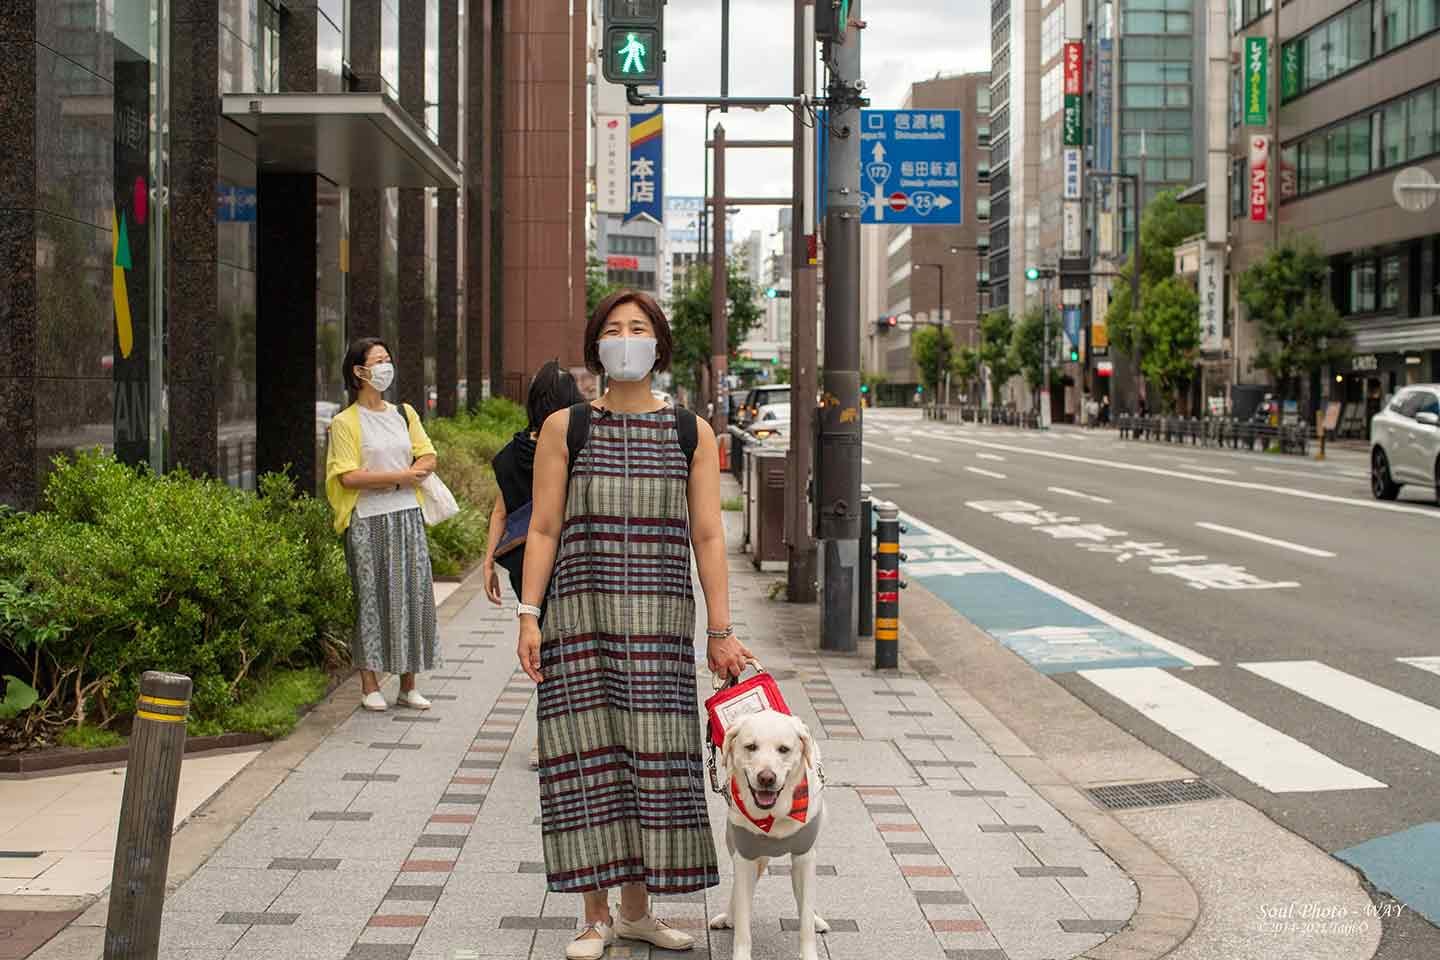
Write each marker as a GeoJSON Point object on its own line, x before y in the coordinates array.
{"type": "Point", "coordinates": [767, 504]}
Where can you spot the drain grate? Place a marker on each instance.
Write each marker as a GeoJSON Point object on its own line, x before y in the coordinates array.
{"type": "Point", "coordinates": [1155, 793]}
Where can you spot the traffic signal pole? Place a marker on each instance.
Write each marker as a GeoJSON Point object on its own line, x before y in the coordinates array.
{"type": "Point", "coordinates": [800, 574]}
{"type": "Point", "coordinates": [719, 297]}
{"type": "Point", "coordinates": [840, 431]}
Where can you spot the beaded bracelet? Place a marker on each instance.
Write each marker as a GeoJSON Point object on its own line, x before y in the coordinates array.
{"type": "Point", "coordinates": [722, 634]}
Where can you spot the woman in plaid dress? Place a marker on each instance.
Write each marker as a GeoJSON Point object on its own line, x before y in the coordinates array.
{"type": "Point", "coordinates": [622, 783]}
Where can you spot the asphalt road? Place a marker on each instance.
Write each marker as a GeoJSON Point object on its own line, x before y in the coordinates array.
{"type": "Point", "coordinates": [1280, 564]}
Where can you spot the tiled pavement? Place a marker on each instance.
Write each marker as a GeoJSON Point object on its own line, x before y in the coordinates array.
{"type": "Point", "coordinates": [411, 836]}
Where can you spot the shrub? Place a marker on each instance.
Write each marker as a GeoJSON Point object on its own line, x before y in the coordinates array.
{"type": "Point", "coordinates": [465, 445]}
{"type": "Point", "coordinates": [127, 571]}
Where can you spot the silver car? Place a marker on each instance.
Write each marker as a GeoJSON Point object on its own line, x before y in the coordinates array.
{"type": "Point", "coordinates": [1405, 442]}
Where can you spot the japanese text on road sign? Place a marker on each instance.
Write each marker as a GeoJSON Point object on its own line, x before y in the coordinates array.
{"type": "Point", "coordinates": [911, 166]}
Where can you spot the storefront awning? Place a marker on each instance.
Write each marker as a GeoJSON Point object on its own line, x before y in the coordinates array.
{"type": "Point", "coordinates": [361, 140]}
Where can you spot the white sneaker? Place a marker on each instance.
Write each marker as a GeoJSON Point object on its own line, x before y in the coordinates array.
{"type": "Point", "coordinates": [653, 931]}
{"type": "Point", "coordinates": [413, 700]}
{"type": "Point", "coordinates": [374, 700]}
{"type": "Point", "coordinates": [590, 948]}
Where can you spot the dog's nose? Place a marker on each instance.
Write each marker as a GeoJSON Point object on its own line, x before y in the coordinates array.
{"type": "Point", "coordinates": [766, 779]}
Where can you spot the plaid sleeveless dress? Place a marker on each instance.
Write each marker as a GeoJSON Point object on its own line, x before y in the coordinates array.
{"type": "Point", "coordinates": [622, 782]}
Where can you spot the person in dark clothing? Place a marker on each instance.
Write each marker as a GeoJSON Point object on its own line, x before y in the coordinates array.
{"type": "Point", "coordinates": [552, 389]}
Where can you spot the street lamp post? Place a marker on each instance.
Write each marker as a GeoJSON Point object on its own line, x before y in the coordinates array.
{"type": "Point", "coordinates": [1044, 274]}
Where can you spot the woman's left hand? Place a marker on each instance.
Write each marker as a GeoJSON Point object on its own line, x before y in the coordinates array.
{"type": "Point", "coordinates": [728, 657]}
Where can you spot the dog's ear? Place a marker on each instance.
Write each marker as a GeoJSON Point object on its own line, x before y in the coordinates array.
{"type": "Point", "coordinates": [808, 749]}
{"type": "Point", "coordinates": [727, 746]}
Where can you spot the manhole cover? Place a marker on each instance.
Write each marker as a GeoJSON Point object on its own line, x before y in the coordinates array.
{"type": "Point", "coordinates": [866, 763]}
{"type": "Point", "coordinates": [1154, 793]}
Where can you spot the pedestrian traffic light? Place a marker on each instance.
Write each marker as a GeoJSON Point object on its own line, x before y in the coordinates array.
{"type": "Point", "coordinates": [634, 51]}
{"type": "Point", "coordinates": [1074, 355]}
{"type": "Point", "coordinates": [831, 19]}
{"type": "Point", "coordinates": [770, 292]}
{"type": "Point", "coordinates": [1032, 273]}
{"type": "Point", "coordinates": [864, 388]}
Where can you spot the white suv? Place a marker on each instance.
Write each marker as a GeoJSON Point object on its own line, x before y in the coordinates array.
{"type": "Point", "coordinates": [1405, 442]}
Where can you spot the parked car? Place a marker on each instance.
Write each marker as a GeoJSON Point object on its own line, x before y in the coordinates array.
{"type": "Point", "coordinates": [760, 396]}
{"type": "Point", "coordinates": [770, 422]}
{"type": "Point", "coordinates": [1405, 442]}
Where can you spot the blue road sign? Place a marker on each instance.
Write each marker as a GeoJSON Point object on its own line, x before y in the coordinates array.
{"type": "Point", "coordinates": [910, 166]}
{"type": "Point", "coordinates": [1072, 326]}
{"type": "Point", "coordinates": [235, 204]}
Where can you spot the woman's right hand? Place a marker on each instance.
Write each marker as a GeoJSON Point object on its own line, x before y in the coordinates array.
{"type": "Point", "coordinates": [492, 580]}
{"type": "Point", "coordinates": [411, 478]}
{"type": "Point", "coordinates": [528, 648]}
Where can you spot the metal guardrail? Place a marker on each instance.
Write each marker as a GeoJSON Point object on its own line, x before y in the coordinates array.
{"type": "Point", "coordinates": [997, 416]}
{"type": "Point", "coordinates": [1216, 432]}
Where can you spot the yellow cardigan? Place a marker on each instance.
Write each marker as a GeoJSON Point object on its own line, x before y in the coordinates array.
{"type": "Point", "coordinates": [344, 456]}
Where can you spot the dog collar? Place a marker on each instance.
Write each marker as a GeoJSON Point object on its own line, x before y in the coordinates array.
{"type": "Point", "coordinates": [799, 804]}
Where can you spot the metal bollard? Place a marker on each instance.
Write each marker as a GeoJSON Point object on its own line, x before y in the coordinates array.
{"type": "Point", "coordinates": [887, 587]}
{"type": "Point", "coordinates": [864, 571]}
{"type": "Point", "coordinates": [147, 817]}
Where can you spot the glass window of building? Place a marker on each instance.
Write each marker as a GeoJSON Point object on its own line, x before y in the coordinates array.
{"type": "Point", "coordinates": [1390, 282]}
{"type": "Point", "coordinates": [1050, 92]}
{"type": "Point", "coordinates": [1362, 285]}
{"type": "Point", "coordinates": [982, 101]}
{"type": "Point", "coordinates": [1392, 133]}
{"type": "Point", "coordinates": [1422, 129]}
{"type": "Point", "coordinates": [982, 208]}
{"type": "Point", "coordinates": [1052, 32]}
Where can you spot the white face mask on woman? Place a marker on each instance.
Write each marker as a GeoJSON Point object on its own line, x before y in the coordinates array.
{"type": "Point", "coordinates": [627, 358]}
{"type": "Point", "coordinates": [381, 376]}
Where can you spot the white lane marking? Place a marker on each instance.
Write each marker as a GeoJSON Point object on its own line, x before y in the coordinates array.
{"type": "Point", "coordinates": [882, 486]}
{"type": "Point", "coordinates": [902, 453]}
{"type": "Point", "coordinates": [1259, 538]}
{"type": "Point", "coordinates": [867, 461]}
{"type": "Point", "coordinates": [990, 456]}
{"type": "Point", "coordinates": [921, 456]}
{"type": "Point", "coordinates": [1367, 702]}
{"type": "Point", "coordinates": [1429, 664]}
{"type": "Point", "coordinates": [1338, 478]}
{"type": "Point", "coordinates": [1259, 753]}
{"type": "Point", "coordinates": [987, 473]}
{"type": "Point", "coordinates": [1295, 492]}
{"type": "Point", "coordinates": [1220, 470]}
{"type": "Point", "coordinates": [902, 440]}
{"type": "Point", "coordinates": [1178, 651]}
{"type": "Point", "coordinates": [1066, 491]}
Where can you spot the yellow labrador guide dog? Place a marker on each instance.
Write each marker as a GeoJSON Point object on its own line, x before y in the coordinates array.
{"type": "Point", "coordinates": [775, 791]}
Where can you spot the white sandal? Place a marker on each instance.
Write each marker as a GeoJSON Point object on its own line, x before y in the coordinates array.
{"type": "Point", "coordinates": [590, 948]}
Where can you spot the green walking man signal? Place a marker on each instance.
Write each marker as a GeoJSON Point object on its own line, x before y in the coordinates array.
{"type": "Point", "coordinates": [634, 48]}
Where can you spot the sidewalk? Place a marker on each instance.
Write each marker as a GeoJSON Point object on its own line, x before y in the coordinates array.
{"type": "Point", "coordinates": [406, 836]}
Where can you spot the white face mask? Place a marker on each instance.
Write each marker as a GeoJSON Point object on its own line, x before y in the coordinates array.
{"type": "Point", "coordinates": [381, 376]}
{"type": "Point", "coordinates": [627, 358]}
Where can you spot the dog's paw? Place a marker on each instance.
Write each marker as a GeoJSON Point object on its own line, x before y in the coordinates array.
{"type": "Point", "coordinates": [820, 925]}
{"type": "Point", "coordinates": [721, 921]}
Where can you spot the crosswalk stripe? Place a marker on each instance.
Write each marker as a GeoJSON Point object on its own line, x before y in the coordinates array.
{"type": "Point", "coordinates": [1428, 664]}
{"type": "Point", "coordinates": [1259, 753]}
{"type": "Point", "coordinates": [1367, 702]}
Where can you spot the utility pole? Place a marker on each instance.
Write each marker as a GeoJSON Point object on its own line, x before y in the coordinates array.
{"type": "Point", "coordinates": [840, 430]}
{"type": "Point", "coordinates": [800, 542]}
{"type": "Point", "coordinates": [719, 296]}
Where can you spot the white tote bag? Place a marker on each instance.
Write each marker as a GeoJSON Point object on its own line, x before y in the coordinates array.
{"type": "Point", "coordinates": [437, 503]}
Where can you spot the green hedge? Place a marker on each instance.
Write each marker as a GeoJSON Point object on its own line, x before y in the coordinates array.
{"type": "Point", "coordinates": [124, 571]}
{"type": "Point", "coordinates": [464, 445]}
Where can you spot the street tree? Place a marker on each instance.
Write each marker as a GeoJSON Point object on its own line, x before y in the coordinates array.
{"type": "Point", "coordinates": [965, 368]}
{"type": "Point", "coordinates": [997, 333]}
{"type": "Point", "coordinates": [597, 283]}
{"type": "Point", "coordinates": [932, 349]}
{"type": "Point", "coordinates": [1027, 351]}
{"type": "Point", "coordinates": [1301, 330]}
{"type": "Point", "coordinates": [690, 321]}
{"type": "Point", "coordinates": [1172, 340]}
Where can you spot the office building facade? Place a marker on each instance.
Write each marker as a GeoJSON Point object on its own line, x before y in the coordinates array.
{"type": "Point", "coordinates": [205, 204]}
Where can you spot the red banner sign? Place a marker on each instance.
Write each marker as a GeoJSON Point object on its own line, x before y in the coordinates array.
{"type": "Point", "coordinates": [623, 263]}
{"type": "Point", "coordinates": [1259, 179]}
{"type": "Point", "coordinates": [1074, 68]}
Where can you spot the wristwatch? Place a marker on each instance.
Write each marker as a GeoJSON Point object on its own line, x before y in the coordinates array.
{"type": "Point", "coordinates": [523, 608]}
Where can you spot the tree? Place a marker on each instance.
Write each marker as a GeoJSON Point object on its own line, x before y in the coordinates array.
{"type": "Point", "coordinates": [1172, 332]}
{"type": "Point", "coordinates": [931, 348]}
{"type": "Point", "coordinates": [997, 332]}
{"type": "Point", "coordinates": [597, 283]}
{"type": "Point", "coordinates": [1301, 329]}
{"type": "Point", "coordinates": [965, 367]}
{"type": "Point", "coordinates": [690, 321]}
{"type": "Point", "coordinates": [1027, 350]}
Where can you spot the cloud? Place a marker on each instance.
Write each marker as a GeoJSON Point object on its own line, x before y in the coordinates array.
{"type": "Point", "coordinates": [905, 41]}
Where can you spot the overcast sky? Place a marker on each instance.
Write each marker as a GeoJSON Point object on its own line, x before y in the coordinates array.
{"type": "Point", "coordinates": [906, 40]}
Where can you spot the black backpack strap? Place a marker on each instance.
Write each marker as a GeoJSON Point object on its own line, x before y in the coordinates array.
{"type": "Point", "coordinates": [579, 431]}
{"type": "Point", "coordinates": [689, 432]}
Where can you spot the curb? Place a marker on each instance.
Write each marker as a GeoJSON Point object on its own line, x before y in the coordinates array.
{"type": "Point", "coordinates": [207, 828]}
{"type": "Point", "coordinates": [1168, 906]}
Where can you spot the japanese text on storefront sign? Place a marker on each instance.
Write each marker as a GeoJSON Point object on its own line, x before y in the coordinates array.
{"type": "Point", "coordinates": [1259, 178]}
{"type": "Point", "coordinates": [1074, 133]}
{"type": "Point", "coordinates": [1257, 58]}
{"type": "Point", "coordinates": [1196, 571]}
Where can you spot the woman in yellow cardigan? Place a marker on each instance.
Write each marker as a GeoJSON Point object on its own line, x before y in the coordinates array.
{"type": "Point", "coordinates": [378, 456]}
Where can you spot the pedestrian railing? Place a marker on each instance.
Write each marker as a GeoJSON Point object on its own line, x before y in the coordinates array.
{"type": "Point", "coordinates": [1217, 432]}
{"type": "Point", "coordinates": [995, 416]}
